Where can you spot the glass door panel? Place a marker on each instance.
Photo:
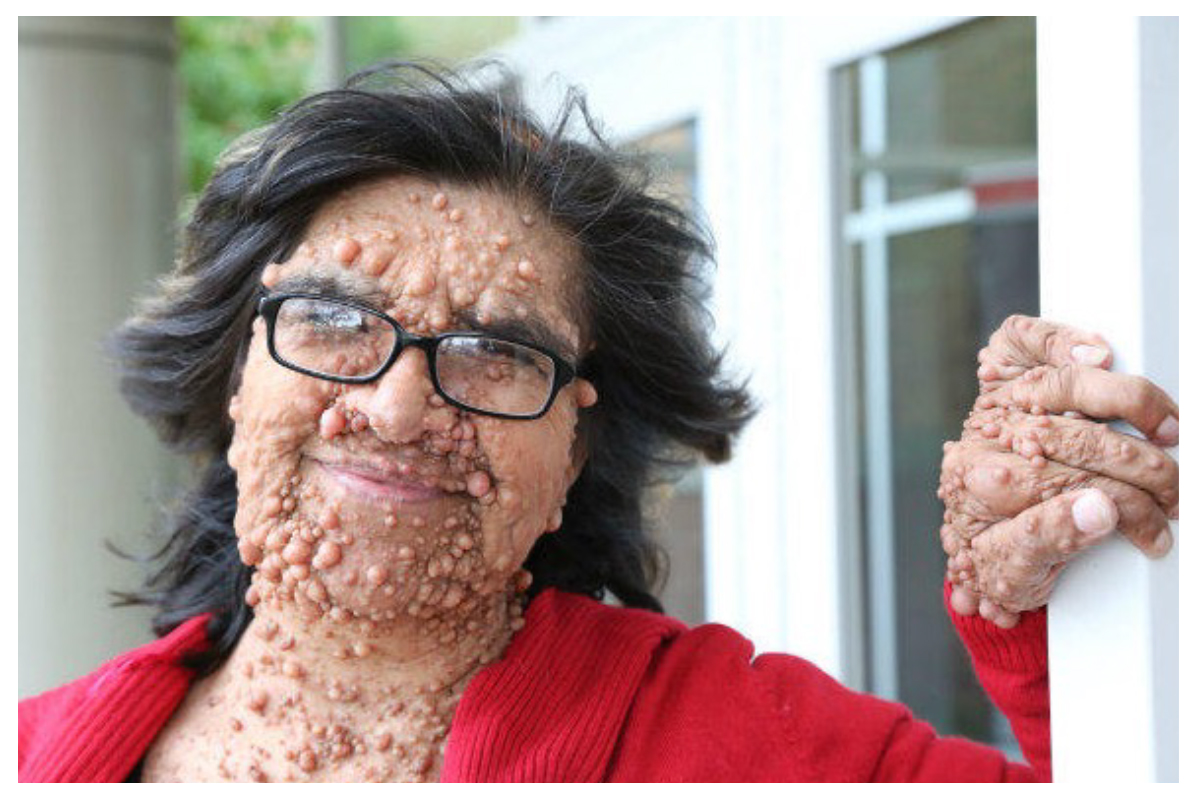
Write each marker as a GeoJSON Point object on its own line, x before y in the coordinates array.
{"type": "Point", "coordinates": [938, 228]}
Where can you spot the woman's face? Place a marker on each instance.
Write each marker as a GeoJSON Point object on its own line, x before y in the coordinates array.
{"type": "Point", "coordinates": [374, 501]}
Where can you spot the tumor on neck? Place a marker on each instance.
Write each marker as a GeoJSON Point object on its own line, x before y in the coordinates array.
{"type": "Point", "coordinates": [304, 699]}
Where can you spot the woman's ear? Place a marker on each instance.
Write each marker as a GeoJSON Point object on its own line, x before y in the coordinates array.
{"type": "Point", "coordinates": [586, 396]}
{"type": "Point", "coordinates": [579, 451]}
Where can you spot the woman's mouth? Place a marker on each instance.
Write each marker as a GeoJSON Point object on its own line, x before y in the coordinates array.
{"type": "Point", "coordinates": [385, 485]}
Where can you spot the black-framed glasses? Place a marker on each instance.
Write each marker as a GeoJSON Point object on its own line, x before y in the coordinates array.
{"type": "Point", "coordinates": [348, 342]}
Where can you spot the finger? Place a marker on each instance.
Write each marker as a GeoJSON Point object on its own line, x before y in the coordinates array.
{"type": "Point", "coordinates": [1014, 559]}
{"type": "Point", "coordinates": [997, 614]}
{"type": "Point", "coordinates": [1095, 393]}
{"type": "Point", "coordinates": [984, 479]}
{"type": "Point", "coordinates": [981, 486]}
{"type": "Point", "coordinates": [1142, 522]}
{"type": "Point", "coordinates": [1022, 343]}
{"type": "Point", "coordinates": [964, 601]}
{"type": "Point", "coordinates": [967, 603]}
{"type": "Point", "coordinates": [1087, 446]}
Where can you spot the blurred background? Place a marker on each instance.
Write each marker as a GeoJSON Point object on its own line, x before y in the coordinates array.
{"type": "Point", "coordinates": [872, 186]}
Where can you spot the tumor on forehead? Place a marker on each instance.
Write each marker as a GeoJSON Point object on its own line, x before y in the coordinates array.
{"type": "Point", "coordinates": [483, 248]}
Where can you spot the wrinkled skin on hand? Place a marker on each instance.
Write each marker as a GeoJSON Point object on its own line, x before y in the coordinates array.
{"type": "Point", "coordinates": [1036, 479]}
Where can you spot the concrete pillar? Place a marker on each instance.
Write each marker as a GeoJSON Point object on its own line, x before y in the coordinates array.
{"type": "Point", "coordinates": [97, 199]}
{"type": "Point", "coordinates": [329, 63]}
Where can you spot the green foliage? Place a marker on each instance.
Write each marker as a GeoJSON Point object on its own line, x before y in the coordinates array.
{"type": "Point", "coordinates": [236, 73]}
{"type": "Point", "coordinates": [445, 39]}
{"type": "Point", "coordinates": [372, 39]}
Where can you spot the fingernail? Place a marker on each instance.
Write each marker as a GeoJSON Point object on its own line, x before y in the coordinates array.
{"type": "Point", "coordinates": [1088, 355]}
{"type": "Point", "coordinates": [1162, 543]}
{"type": "Point", "coordinates": [1094, 513]}
{"type": "Point", "coordinates": [1168, 431]}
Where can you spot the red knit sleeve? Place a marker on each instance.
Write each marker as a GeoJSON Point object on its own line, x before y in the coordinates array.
{"type": "Point", "coordinates": [1012, 667]}
{"type": "Point", "coordinates": [711, 711]}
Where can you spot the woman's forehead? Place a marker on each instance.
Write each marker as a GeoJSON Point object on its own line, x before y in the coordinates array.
{"type": "Point", "coordinates": [437, 252]}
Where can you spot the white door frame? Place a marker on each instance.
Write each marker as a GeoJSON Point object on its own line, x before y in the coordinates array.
{"type": "Point", "coordinates": [777, 551]}
{"type": "Point", "coordinates": [1108, 128]}
{"type": "Point", "coordinates": [777, 560]}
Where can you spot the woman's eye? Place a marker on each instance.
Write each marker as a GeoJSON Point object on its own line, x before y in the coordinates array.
{"type": "Point", "coordinates": [336, 319]}
{"type": "Point", "coordinates": [497, 348]}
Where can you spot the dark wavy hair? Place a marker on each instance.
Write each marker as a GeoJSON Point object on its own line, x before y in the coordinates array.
{"type": "Point", "coordinates": [664, 401]}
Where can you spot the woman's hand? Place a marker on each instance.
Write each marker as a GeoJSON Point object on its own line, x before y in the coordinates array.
{"type": "Point", "coordinates": [1034, 480]}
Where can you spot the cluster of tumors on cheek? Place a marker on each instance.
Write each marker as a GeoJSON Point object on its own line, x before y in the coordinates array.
{"type": "Point", "coordinates": [306, 549]}
{"type": "Point", "coordinates": [368, 575]}
{"type": "Point", "coordinates": [373, 569]}
{"type": "Point", "coordinates": [443, 562]}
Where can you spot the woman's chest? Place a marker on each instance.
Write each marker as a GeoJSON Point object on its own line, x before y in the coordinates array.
{"type": "Point", "coordinates": [212, 740]}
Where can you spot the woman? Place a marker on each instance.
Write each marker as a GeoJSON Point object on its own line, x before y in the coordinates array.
{"type": "Point", "coordinates": [429, 356]}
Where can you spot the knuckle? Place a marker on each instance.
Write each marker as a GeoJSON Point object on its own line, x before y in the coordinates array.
{"type": "Point", "coordinates": [1082, 445]}
{"type": "Point", "coordinates": [1055, 387]}
{"type": "Point", "coordinates": [1049, 343]}
{"type": "Point", "coordinates": [1067, 375]}
{"type": "Point", "coordinates": [1009, 333]}
{"type": "Point", "coordinates": [1015, 324]}
{"type": "Point", "coordinates": [1050, 485]}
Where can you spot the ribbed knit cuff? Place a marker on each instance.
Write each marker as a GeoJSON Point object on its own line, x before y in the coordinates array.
{"type": "Point", "coordinates": [1021, 648]}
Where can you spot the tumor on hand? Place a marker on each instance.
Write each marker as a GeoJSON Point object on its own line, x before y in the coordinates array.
{"type": "Point", "coordinates": [1035, 479]}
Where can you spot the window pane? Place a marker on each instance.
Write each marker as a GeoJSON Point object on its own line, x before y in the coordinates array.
{"type": "Point", "coordinates": [933, 338]}
{"type": "Point", "coordinates": [949, 119]}
{"type": "Point", "coordinates": [953, 101]}
{"type": "Point", "coordinates": [678, 513]}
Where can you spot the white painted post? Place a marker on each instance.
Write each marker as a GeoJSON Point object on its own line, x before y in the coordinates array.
{"type": "Point", "coordinates": [1109, 158]}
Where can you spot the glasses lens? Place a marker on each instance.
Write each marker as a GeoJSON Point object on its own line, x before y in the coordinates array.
{"type": "Point", "coordinates": [331, 338]}
{"type": "Point", "coordinates": [494, 375]}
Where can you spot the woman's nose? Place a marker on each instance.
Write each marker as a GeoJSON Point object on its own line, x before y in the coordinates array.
{"type": "Point", "coordinates": [398, 403]}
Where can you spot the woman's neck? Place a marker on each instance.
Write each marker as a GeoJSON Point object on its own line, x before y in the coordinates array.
{"type": "Point", "coordinates": [355, 699]}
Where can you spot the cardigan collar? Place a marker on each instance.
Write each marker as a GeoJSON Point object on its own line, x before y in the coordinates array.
{"type": "Point", "coordinates": [551, 709]}
{"type": "Point", "coordinates": [96, 729]}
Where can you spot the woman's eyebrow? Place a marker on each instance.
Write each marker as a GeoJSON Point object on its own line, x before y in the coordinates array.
{"type": "Point", "coordinates": [334, 285]}
{"type": "Point", "coordinates": [532, 329]}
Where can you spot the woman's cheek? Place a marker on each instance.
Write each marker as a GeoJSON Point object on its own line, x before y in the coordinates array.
{"type": "Point", "coordinates": [532, 469]}
{"type": "Point", "coordinates": [275, 414]}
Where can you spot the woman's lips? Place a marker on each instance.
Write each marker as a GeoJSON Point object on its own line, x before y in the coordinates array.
{"type": "Point", "coordinates": [380, 485]}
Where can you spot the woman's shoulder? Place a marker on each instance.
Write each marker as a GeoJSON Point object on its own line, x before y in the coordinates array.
{"type": "Point", "coordinates": [589, 691]}
{"type": "Point", "coordinates": [80, 731]}
{"type": "Point", "coordinates": [710, 652]}
{"type": "Point", "coordinates": [562, 612]}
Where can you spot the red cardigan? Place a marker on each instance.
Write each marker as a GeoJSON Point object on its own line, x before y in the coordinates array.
{"type": "Point", "coordinates": [587, 692]}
